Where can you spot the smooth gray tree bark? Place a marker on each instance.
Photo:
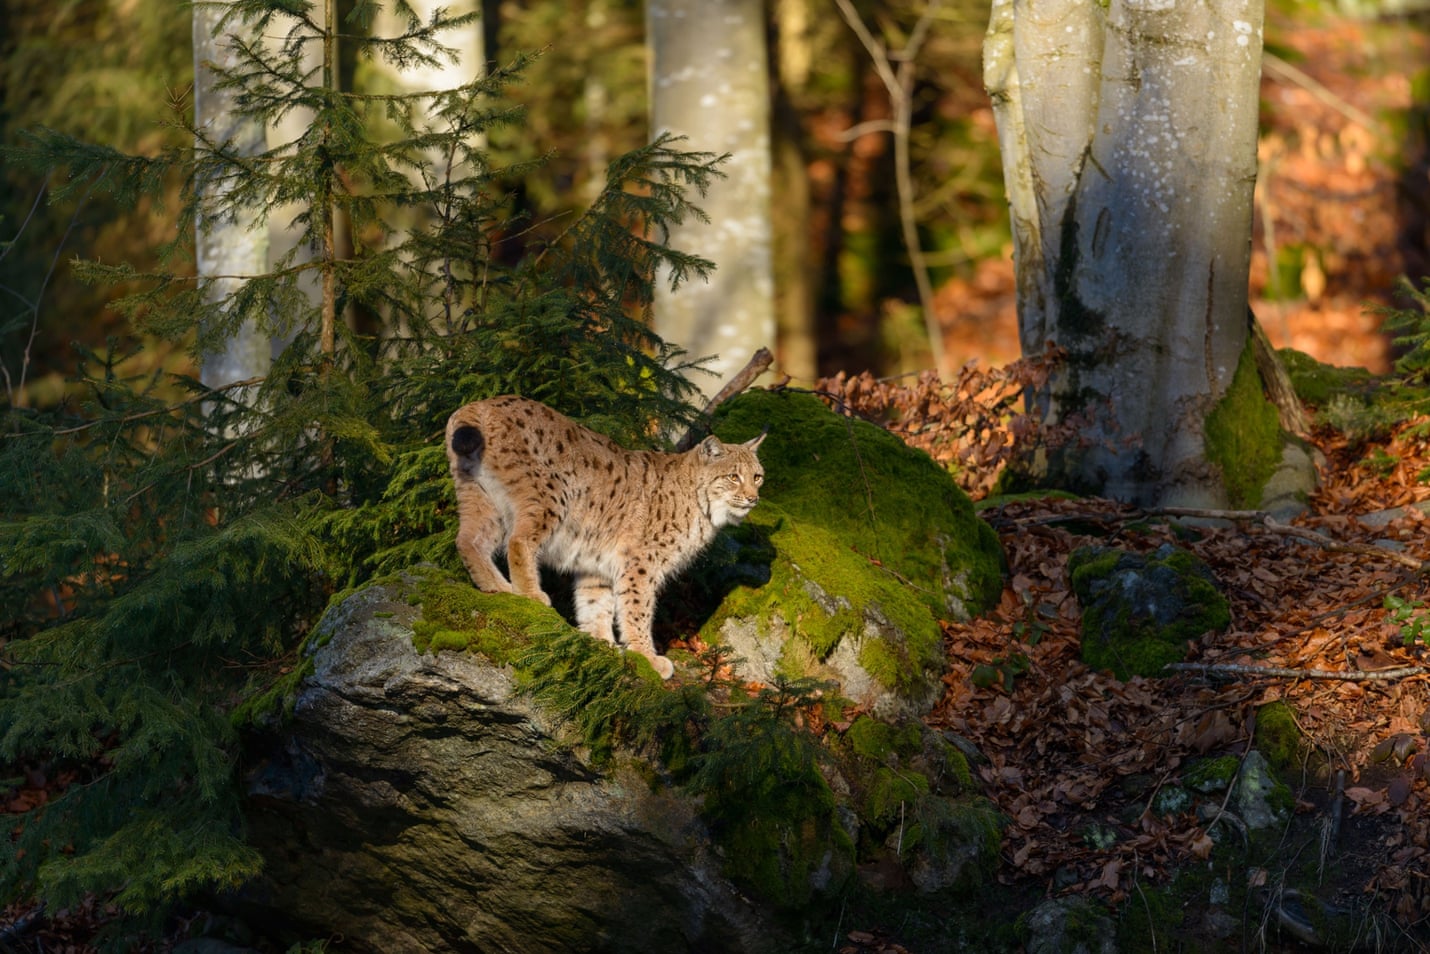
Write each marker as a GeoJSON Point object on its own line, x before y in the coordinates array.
{"type": "Point", "coordinates": [229, 248]}
{"type": "Point", "coordinates": [709, 79]}
{"type": "Point", "coordinates": [1128, 132]}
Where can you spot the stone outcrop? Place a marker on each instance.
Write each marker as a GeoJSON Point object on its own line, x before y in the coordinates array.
{"type": "Point", "coordinates": [419, 803]}
{"type": "Point", "coordinates": [416, 800]}
{"type": "Point", "coordinates": [1141, 611]}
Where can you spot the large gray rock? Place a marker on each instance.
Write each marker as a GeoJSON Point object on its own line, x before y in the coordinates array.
{"type": "Point", "coordinates": [418, 803]}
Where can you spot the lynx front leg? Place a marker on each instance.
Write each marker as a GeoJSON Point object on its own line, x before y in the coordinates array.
{"type": "Point", "coordinates": [596, 607]}
{"type": "Point", "coordinates": [479, 531]}
{"type": "Point", "coordinates": [635, 602]}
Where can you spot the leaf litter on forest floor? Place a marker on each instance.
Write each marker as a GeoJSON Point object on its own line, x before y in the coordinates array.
{"type": "Point", "coordinates": [1072, 753]}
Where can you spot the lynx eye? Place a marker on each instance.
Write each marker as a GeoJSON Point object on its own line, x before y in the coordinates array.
{"type": "Point", "coordinates": [759, 479]}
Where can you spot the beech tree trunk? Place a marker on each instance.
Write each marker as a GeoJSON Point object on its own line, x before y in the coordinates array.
{"type": "Point", "coordinates": [228, 247]}
{"type": "Point", "coordinates": [709, 78]}
{"type": "Point", "coordinates": [1128, 132]}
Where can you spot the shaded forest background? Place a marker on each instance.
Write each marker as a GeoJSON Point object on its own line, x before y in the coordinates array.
{"type": "Point", "coordinates": [1341, 203]}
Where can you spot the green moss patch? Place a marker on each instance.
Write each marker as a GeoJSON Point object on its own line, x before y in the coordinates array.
{"type": "Point", "coordinates": [1277, 736]}
{"type": "Point", "coordinates": [884, 500]}
{"type": "Point", "coordinates": [1243, 435]}
{"type": "Point", "coordinates": [456, 615]}
{"type": "Point", "coordinates": [1211, 774]}
{"type": "Point", "coordinates": [1316, 383]}
{"type": "Point", "coordinates": [820, 594]}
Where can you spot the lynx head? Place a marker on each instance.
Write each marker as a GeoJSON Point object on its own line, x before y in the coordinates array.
{"type": "Point", "coordinates": [730, 478]}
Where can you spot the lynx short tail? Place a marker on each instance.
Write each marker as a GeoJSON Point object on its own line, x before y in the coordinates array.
{"type": "Point", "coordinates": [468, 444]}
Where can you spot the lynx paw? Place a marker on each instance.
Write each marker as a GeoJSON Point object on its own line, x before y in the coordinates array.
{"type": "Point", "coordinates": [662, 665]}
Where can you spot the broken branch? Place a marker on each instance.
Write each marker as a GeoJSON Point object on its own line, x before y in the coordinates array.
{"type": "Point", "coordinates": [758, 364]}
{"type": "Point", "coordinates": [1285, 672]}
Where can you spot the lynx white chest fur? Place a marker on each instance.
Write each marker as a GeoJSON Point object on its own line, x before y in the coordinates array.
{"type": "Point", "coordinates": [549, 491]}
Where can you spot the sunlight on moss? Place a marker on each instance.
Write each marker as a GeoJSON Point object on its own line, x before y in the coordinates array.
{"type": "Point", "coordinates": [1243, 435]}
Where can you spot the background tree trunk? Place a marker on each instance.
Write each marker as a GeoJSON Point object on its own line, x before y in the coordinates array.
{"type": "Point", "coordinates": [709, 80]}
{"type": "Point", "coordinates": [795, 283]}
{"type": "Point", "coordinates": [1128, 134]}
{"type": "Point", "coordinates": [228, 248]}
{"type": "Point", "coordinates": [441, 165]}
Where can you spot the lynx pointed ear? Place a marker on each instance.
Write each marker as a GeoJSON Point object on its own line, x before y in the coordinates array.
{"type": "Point", "coordinates": [711, 448]}
{"type": "Point", "coordinates": [755, 442]}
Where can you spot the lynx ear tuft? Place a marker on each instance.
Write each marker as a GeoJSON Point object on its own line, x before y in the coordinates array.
{"type": "Point", "coordinates": [755, 442]}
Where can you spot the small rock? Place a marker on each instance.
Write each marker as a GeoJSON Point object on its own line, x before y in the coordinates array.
{"type": "Point", "coordinates": [1068, 926]}
{"type": "Point", "coordinates": [1256, 793]}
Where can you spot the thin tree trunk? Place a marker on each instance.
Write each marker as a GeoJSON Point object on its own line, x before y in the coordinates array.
{"type": "Point", "coordinates": [795, 286]}
{"type": "Point", "coordinates": [227, 250]}
{"type": "Point", "coordinates": [710, 83]}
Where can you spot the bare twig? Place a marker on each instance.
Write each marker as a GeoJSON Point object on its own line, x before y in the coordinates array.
{"type": "Point", "coordinates": [899, 82]}
{"type": "Point", "coordinates": [154, 412]}
{"type": "Point", "coordinates": [1286, 672]}
{"type": "Point", "coordinates": [1301, 533]}
{"type": "Point", "coordinates": [1275, 64]}
{"type": "Point", "coordinates": [759, 362]}
{"type": "Point", "coordinates": [16, 391]}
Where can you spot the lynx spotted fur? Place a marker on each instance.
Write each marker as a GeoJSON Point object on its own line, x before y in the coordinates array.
{"type": "Point", "coordinates": [549, 491]}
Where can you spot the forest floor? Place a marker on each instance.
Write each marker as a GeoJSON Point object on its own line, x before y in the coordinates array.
{"type": "Point", "coordinates": [1342, 589]}
{"type": "Point", "coordinates": [1341, 214]}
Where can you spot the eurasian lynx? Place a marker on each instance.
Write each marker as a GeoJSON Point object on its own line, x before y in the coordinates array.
{"type": "Point", "coordinates": [548, 490]}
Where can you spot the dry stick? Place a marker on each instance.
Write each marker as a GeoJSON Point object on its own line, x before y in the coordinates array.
{"type": "Point", "coordinates": [759, 362]}
{"type": "Point", "coordinates": [1277, 380]}
{"type": "Point", "coordinates": [1311, 536]}
{"type": "Point", "coordinates": [1275, 64]}
{"type": "Point", "coordinates": [1238, 669]}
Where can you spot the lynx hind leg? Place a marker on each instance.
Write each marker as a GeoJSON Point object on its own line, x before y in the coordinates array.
{"type": "Point", "coordinates": [596, 607]}
{"type": "Point", "coordinates": [635, 602]}
{"type": "Point", "coordinates": [479, 533]}
{"type": "Point", "coordinates": [529, 531]}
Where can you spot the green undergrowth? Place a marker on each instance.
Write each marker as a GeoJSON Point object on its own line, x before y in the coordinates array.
{"type": "Point", "coordinates": [1366, 408]}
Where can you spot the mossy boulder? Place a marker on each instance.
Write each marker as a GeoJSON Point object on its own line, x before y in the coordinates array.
{"type": "Point", "coordinates": [421, 801]}
{"type": "Point", "coordinates": [912, 790]}
{"type": "Point", "coordinates": [453, 775]}
{"type": "Point", "coordinates": [859, 546]}
{"type": "Point", "coordinates": [1140, 611]}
